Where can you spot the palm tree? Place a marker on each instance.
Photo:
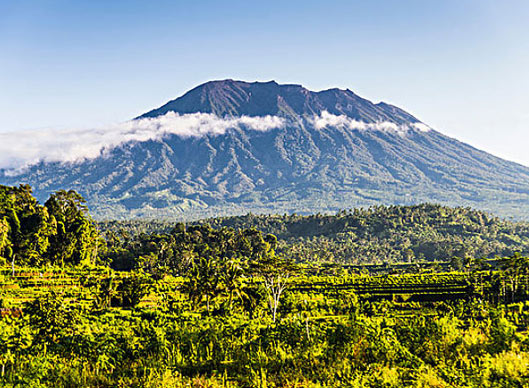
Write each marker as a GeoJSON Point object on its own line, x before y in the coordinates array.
{"type": "Point", "coordinates": [232, 279]}
{"type": "Point", "coordinates": [203, 281]}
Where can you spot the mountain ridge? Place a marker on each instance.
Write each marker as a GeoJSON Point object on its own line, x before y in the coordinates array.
{"type": "Point", "coordinates": [231, 97]}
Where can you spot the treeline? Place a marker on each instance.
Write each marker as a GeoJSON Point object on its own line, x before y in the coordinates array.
{"type": "Point", "coordinates": [380, 234]}
{"type": "Point", "coordinates": [391, 234]}
{"type": "Point", "coordinates": [59, 232]}
{"type": "Point", "coordinates": [177, 251]}
{"type": "Point", "coordinates": [62, 232]}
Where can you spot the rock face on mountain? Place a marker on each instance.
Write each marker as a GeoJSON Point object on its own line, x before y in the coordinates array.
{"type": "Point", "coordinates": [334, 150]}
{"type": "Point", "coordinates": [236, 98]}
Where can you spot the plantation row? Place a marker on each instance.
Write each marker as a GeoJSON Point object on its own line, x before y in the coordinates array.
{"type": "Point", "coordinates": [78, 284]}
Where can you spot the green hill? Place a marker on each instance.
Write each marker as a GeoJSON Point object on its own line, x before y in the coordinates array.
{"type": "Point", "coordinates": [379, 234]}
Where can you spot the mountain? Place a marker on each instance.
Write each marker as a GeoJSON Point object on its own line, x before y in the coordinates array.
{"type": "Point", "coordinates": [263, 147]}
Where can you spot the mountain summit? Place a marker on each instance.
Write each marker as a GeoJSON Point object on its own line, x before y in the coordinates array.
{"type": "Point", "coordinates": [237, 98]}
{"type": "Point", "coordinates": [231, 147]}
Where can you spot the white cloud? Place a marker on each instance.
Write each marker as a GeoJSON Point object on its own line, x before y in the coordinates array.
{"type": "Point", "coordinates": [24, 148]}
{"type": "Point", "coordinates": [19, 150]}
{"type": "Point", "coordinates": [421, 127]}
{"type": "Point", "coordinates": [326, 119]}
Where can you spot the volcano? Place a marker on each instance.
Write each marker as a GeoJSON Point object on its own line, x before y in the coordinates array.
{"type": "Point", "coordinates": [282, 149]}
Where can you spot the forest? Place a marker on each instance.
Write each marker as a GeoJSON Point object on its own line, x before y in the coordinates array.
{"type": "Point", "coordinates": [261, 301]}
{"type": "Point", "coordinates": [424, 233]}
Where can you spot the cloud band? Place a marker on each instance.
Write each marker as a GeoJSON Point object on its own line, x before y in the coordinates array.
{"type": "Point", "coordinates": [18, 150]}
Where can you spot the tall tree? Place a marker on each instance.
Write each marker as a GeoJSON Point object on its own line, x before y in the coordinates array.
{"type": "Point", "coordinates": [4, 236]}
{"type": "Point", "coordinates": [275, 272]}
{"type": "Point", "coordinates": [29, 226]}
{"type": "Point", "coordinates": [77, 238]}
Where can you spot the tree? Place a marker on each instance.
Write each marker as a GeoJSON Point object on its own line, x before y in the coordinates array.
{"type": "Point", "coordinates": [29, 227]}
{"type": "Point", "coordinates": [77, 238]}
{"type": "Point", "coordinates": [4, 236]}
{"type": "Point", "coordinates": [232, 279]}
{"type": "Point", "coordinates": [133, 288]}
{"type": "Point", "coordinates": [516, 269]}
{"type": "Point", "coordinates": [275, 272]}
{"type": "Point", "coordinates": [252, 297]}
{"type": "Point", "coordinates": [456, 263]}
{"type": "Point", "coordinates": [52, 317]}
{"type": "Point", "coordinates": [204, 281]}
{"type": "Point", "coordinates": [104, 290]}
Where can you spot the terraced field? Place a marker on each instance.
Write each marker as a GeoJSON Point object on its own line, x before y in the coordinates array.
{"type": "Point", "coordinates": [81, 286]}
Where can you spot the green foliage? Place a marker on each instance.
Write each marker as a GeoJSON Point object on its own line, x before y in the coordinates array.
{"type": "Point", "coordinates": [25, 238]}
{"type": "Point", "coordinates": [133, 288]}
{"type": "Point", "coordinates": [4, 236]}
{"type": "Point", "coordinates": [186, 249]}
{"type": "Point", "coordinates": [51, 316]}
{"type": "Point", "coordinates": [227, 306]}
{"type": "Point", "coordinates": [60, 232]}
{"type": "Point", "coordinates": [345, 330]}
{"type": "Point", "coordinates": [378, 235]}
{"type": "Point", "coordinates": [76, 239]}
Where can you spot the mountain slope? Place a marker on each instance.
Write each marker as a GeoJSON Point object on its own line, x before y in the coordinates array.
{"type": "Point", "coordinates": [335, 150]}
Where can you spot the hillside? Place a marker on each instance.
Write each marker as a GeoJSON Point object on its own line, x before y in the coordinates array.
{"type": "Point", "coordinates": [378, 235]}
{"type": "Point", "coordinates": [230, 147]}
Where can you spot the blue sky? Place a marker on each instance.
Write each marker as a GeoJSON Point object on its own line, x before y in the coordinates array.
{"type": "Point", "coordinates": [460, 66]}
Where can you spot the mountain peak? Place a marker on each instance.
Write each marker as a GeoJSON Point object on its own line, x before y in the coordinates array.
{"type": "Point", "coordinates": [230, 97]}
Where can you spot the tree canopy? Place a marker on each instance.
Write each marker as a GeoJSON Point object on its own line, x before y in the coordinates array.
{"type": "Point", "coordinates": [59, 232]}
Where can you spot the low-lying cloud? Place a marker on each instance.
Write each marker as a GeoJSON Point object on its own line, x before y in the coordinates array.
{"type": "Point", "coordinates": [19, 150]}
{"type": "Point", "coordinates": [326, 119]}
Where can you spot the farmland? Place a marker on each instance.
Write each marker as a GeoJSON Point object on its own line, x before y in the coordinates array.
{"type": "Point", "coordinates": [86, 327]}
{"type": "Point", "coordinates": [199, 306]}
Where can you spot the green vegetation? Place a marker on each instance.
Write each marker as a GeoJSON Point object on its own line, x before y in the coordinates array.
{"type": "Point", "coordinates": [221, 307]}
{"type": "Point", "coordinates": [60, 232]}
{"type": "Point", "coordinates": [378, 235]}
{"type": "Point", "coordinates": [393, 234]}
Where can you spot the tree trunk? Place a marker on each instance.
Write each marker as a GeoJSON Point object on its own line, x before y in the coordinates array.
{"type": "Point", "coordinates": [13, 264]}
